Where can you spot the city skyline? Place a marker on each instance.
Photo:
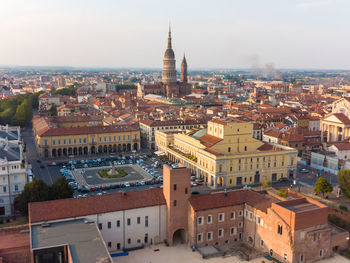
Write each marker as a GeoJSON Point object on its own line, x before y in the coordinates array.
{"type": "Point", "coordinates": [295, 35]}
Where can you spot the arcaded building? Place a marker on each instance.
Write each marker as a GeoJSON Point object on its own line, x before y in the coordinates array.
{"type": "Point", "coordinates": [295, 230]}
{"type": "Point", "coordinates": [226, 154]}
{"type": "Point", "coordinates": [170, 87]}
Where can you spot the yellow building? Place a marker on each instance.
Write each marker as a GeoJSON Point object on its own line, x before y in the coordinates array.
{"type": "Point", "coordinates": [226, 154]}
{"type": "Point", "coordinates": [85, 139]}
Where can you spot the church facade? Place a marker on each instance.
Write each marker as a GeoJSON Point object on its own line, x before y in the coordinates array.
{"type": "Point", "coordinates": [170, 87]}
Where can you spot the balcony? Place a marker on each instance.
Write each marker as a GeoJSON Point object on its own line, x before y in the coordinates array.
{"type": "Point", "coordinates": [187, 155]}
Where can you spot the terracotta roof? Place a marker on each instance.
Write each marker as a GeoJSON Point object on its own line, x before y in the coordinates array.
{"type": "Point", "coordinates": [86, 130]}
{"type": "Point", "coordinates": [236, 197]}
{"type": "Point", "coordinates": [268, 147]}
{"type": "Point", "coordinates": [209, 140]}
{"type": "Point", "coordinates": [342, 118]}
{"type": "Point", "coordinates": [91, 205]}
{"type": "Point", "coordinates": [220, 122]}
{"type": "Point", "coordinates": [273, 133]}
{"type": "Point", "coordinates": [76, 118]}
{"type": "Point", "coordinates": [210, 150]}
{"type": "Point", "coordinates": [342, 146]}
{"type": "Point", "coordinates": [293, 137]}
{"type": "Point", "coordinates": [153, 123]}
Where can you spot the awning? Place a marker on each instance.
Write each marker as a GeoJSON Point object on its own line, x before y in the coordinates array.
{"type": "Point", "coordinates": [159, 153]}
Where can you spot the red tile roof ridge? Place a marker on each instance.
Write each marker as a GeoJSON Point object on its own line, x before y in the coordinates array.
{"type": "Point", "coordinates": [78, 207]}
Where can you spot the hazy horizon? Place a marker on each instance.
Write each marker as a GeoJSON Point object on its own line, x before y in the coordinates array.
{"type": "Point", "coordinates": [233, 35]}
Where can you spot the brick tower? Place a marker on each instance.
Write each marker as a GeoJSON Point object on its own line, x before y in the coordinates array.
{"type": "Point", "coordinates": [177, 191]}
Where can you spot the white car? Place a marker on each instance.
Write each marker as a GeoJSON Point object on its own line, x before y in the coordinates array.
{"type": "Point", "coordinates": [126, 184]}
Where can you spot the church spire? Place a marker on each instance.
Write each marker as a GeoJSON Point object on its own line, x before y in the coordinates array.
{"type": "Point", "coordinates": [183, 76]}
{"type": "Point", "coordinates": [169, 37]}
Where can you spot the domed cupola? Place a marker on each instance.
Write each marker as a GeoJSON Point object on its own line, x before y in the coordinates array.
{"type": "Point", "coordinates": [169, 63]}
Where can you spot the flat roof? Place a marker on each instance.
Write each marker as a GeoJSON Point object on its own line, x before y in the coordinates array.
{"type": "Point", "coordinates": [83, 239]}
{"type": "Point", "coordinates": [299, 205]}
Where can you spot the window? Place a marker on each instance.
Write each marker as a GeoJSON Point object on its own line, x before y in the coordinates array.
{"type": "Point", "coordinates": [221, 217]}
{"type": "Point", "coordinates": [240, 236]}
{"type": "Point", "coordinates": [100, 226]}
{"type": "Point", "coordinates": [139, 241]}
{"type": "Point", "coordinates": [220, 232]}
{"type": "Point", "coordinates": [118, 223]}
{"type": "Point", "coordinates": [84, 140]}
{"type": "Point", "coordinates": [118, 246]}
{"type": "Point", "coordinates": [240, 224]}
{"type": "Point", "coordinates": [240, 213]}
{"type": "Point", "coordinates": [146, 221]}
{"type": "Point", "coordinates": [4, 189]}
{"type": "Point", "coordinates": [53, 142]}
{"type": "Point", "coordinates": [109, 244]}
{"type": "Point", "coordinates": [233, 231]}
{"type": "Point", "coordinates": [261, 243]}
{"type": "Point", "coordinates": [257, 219]}
{"type": "Point", "coordinates": [229, 149]}
{"type": "Point", "coordinates": [45, 142]}
{"type": "Point", "coordinates": [174, 187]}
{"type": "Point", "coordinates": [279, 229]}
{"type": "Point", "coordinates": [75, 141]}
{"type": "Point", "coordinates": [285, 256]}
{"type": "Point", "coordinates": [129, 221]}
{"type": "Point", "coordinates": [232, 215]}
{"type": "Point", "coordinates": [109, 225]}
{"type": "Point", "coordinates": [16, 187]}
{"type": "Point", "coordinates": [138, 220]}
{"type": "Point", "coordinates": [245, 148]}
{"type": "Point", "coordinates": [301, 258]}
{"type": "Point", "coordinates": [200, 220]}
{"type": "Point", "coordinates": [175, 202]}
{"type": "Point", "coordinates": [64, 141]}
{"type": "Point", "coordinates": [186, 190]}
{"type": "Point", "coordinates": [209, 236]}
{"type": "Point", "coordinates": [321, 253]}
{"type": "Point", "coordinates": [209, 219]}
{"type": "Point", "coordinates": [70, 141]}
{"type": "Point", "coordinates": [199, 238]}
{"type": "Point", "coordinates": [129, 240]}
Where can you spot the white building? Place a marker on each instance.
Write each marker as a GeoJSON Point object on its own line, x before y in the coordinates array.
{"type": "Point", "coordinates": [126, 219]}
{"type": "Point", "coordinates": [148, 128]}
{"type": "Point", "coordinates": [13, 174]}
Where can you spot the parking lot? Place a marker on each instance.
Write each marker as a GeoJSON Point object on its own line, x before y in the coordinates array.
{"type": "Point", "coordinates": [91, 177]}
{"type": "Point", "coordinates": [143, 171]}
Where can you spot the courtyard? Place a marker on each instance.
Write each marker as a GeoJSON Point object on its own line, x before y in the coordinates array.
{"type": "Point", "coordinates": [184, 254]}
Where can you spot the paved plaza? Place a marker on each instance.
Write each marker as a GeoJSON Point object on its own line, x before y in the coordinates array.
{"type": "Point", "coordinates": [183, 253]}
{"type": "Point", "coordinates": [91, 178]}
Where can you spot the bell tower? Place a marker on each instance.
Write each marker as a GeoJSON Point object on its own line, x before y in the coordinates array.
{"type": "Point", "coordinates": [183, 77]}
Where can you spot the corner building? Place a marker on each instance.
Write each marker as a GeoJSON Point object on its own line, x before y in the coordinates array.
{"type": "Point", "coordinates": [226, 154]}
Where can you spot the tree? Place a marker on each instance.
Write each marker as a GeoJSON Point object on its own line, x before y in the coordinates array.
{"type": "Point", "coordinates": [52, 111]}
{"type": "Point", "coordinates": [323, 186]}
{"type": "Point", "coordinates": [344, 181]}
{"type": "Point", "coordinates": [23, 113]}
{"type": "Point", "coordinates": [60, 189]}
{"type": "Point", "coordinates": [35, 191]}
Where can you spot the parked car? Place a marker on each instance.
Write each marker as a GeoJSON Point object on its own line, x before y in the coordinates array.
{"type": "Point", "coordinates": [283, 180]}
{"type": "Point", "coordinates": [126, 184]}
{"type": "Point", "coordinates": [303, 170]}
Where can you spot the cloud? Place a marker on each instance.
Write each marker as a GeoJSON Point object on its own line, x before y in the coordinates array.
{"type": "Point", "coordinates": [310, 4]}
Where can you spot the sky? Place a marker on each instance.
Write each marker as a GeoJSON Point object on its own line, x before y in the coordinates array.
{"type": "Point", "coordinates": [294, 34]}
